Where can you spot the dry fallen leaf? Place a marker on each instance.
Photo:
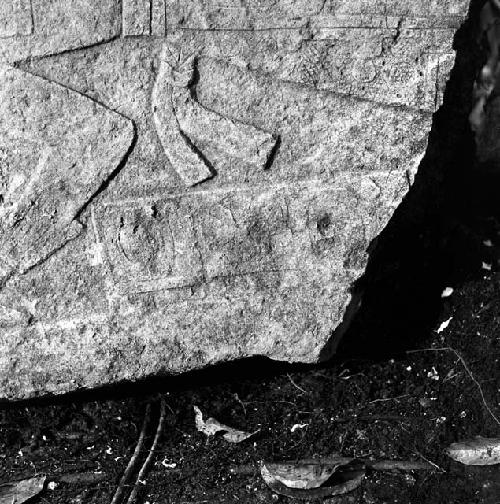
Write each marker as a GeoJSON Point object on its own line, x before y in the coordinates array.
{"type": "Point", "coordinates": [444, 325]}
{"type": "Point", "coordinates": [213, 426]}
{"type": "Point", "coordinates": [447, 292]}
{"type": "Point", "coordinates": [298, 426]}
{"type": "Point", "coordinates": [298, 475]}
{"type": "Point", "coordinates": [18, 492]}
{"type": "Point", "coordinates": [476, 451]}
{"type": "Point", "coordinates": [306, 480]}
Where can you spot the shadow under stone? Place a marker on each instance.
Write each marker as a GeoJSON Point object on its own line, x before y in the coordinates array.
{"type": "Point", "coordinates": [435, 237]}
{"type": "Point", "coordinates": [251, 368]}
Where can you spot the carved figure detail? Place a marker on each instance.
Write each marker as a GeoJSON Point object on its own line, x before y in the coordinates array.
{"type": "Point", "coordinates": [59, 148]}
{"type": "Point", "coordinates": [180, 120]}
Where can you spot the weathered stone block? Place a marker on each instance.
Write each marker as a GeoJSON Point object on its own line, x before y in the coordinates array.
{"type": "Point", "coordinates": [185, 183]}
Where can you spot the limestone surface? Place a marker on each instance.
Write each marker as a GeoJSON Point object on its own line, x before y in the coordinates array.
{"type": "Point", "coordinates": [184, 183]}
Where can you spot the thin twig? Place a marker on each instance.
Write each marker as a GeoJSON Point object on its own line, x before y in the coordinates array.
{"type": "Point", "coordinates": [377, 418]}
{"type": "Point", "coordinates": [401, 465]}
{"type": "Point", "coordinates": [237, 397]}
{"type": "Point", "coordinates": [144, 469]}
{"type": "Point", "coordinates": [375, 465]}
{"type": "Point", "coordinates": [440, 469]}
{"type": "Point", "coordinates": [134, 460]}
{"type": "Point", "coordinates": [383, 399]}
{"type": "Point", "coordinates": [469, 372]}
{"type": "Point", "coordinates": [297, 386]}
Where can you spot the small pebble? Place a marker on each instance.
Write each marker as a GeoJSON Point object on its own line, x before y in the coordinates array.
{"type": "Point", "coordinates": [448, 291]}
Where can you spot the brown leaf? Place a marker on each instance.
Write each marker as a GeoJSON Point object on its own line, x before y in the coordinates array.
{"type": "Point", "coordinates": [17, 492]}
{"type": "Point", "coordinates": [298, 475]}
{"type": "Point", "coordinates": [313, 480]}
{"type": "Point", "coordinates": [212, 426]}
{"type": "Point", "coordinates": [476, 451]}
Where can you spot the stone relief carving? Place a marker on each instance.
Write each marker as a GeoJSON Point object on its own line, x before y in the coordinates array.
{"type": "Point", "coordinates": [179, 119]}
{"type": "Point", "coordinates": [58, 148]}
{"type": "Point", "coordinates": [185, 183]}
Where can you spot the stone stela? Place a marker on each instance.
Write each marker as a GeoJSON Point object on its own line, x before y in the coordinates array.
{"type": "Point", "coordinates": [184, 183]}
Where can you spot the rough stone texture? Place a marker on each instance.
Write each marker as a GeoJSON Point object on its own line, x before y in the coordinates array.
{"type": "Point", "coordinates": [190, 182]}
{"type": "Point", "coordinates": [58, 147]}
{"type": "Point", "coordinates": [31, 28]}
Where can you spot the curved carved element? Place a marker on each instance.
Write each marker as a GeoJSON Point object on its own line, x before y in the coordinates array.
{"type": "Point", "coordinates": [57, 148]}
{"type": "Point", "coordinates": [184, 121]}
{"type": "Point", "coordinates": [239, 140]}
{"type": "Point", "coordinates": [185, 160]}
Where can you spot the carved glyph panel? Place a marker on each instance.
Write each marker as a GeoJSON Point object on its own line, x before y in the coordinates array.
{"type": "Point", "coordinates": [184, 183]}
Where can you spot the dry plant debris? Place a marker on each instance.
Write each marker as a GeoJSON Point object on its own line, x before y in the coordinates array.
{"type": "Point", "coordinates": [469, 372]}
{"type": "Point", "coordinates": [147, 463]}
{"type": "Point", "coordinates": [134, 460]}
{"type": "Point", "coordinates": [300, 475]}
{"type": "Point", "coordinates": [447, 292]}
{"type": "Point", "coordinates": [211, 426]}
{"type": "Point", "coordinates": [133, 465]}
{"type": "Point", "coordinates": [477, 451]}
{"type": "Point", "coordinates": [444, 325]}
{"type": "Point", "coordinates": [18, 492]}
{"type": "Point", "coordinates": [373, 465]}
{"type": "Point", "coordinates": [327, 476]}
{"type": "Point", "coordinates": [309, 480]}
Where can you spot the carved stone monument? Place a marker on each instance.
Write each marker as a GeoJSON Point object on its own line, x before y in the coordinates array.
{"type": "Point", "coordinates": [187, 182]}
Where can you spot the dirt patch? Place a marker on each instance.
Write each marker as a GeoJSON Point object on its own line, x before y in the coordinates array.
{"type": "Point", "coordinates": [409, 407]}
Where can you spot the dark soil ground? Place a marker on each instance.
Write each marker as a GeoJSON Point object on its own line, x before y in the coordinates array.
{"type": "Point", "coordinates": [409, 407]}
{"type": "Point", "coordinates": [398, 388]}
